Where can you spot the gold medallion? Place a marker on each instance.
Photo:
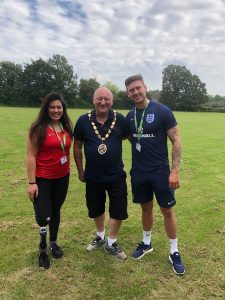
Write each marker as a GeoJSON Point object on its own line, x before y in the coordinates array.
{"type": "Point", "coordinates": [102, 149]}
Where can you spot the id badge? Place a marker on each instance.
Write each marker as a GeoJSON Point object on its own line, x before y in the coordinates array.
{"type": "Point", "coordinates": [63, 160]}
{"type": "Point", "coordinates": [138, 147]}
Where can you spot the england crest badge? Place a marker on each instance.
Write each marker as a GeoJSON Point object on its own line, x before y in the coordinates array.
{"type": "Point", "coordinates": [150, 118]}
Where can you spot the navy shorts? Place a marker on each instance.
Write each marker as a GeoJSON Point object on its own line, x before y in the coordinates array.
{"type": "Point", "coordinates": [96, 198]}
{"type": "Point", "coordinates": [147, 184]}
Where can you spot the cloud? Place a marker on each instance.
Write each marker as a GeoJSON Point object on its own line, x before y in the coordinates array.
{"type": "Point", "coordinates": [111, 40]}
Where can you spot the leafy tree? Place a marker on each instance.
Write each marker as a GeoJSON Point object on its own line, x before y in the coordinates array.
{"type": "Point", "coordinates": [37, 79]}
{"type": "Point", "coordinates": [122, 101]}
{"type": "Point", "coordinates": [63, 78]}
{"type": "Point", "coordinates": [41, 77]}
{"type": "Point", "coordinates": [86, 90]}
{"type": "Point", "coordinates": [218, 98]}
{"type": "Point", "coordinates": [10, 83]}
{"type": "Point", "coordinates": [181, 90]}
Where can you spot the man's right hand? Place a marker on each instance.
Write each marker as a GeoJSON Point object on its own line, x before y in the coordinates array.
{"type": "Point", "coordinates": [81, 177]}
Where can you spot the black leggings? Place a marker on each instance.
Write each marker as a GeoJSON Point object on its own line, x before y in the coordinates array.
{"type": "Point", "coordinates": [51, 195]}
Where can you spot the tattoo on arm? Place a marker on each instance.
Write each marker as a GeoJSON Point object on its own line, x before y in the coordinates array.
{"type": "Point", "coordinates": [174, 137]}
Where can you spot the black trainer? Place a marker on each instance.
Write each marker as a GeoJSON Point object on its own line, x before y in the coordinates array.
{"type": "Point", "coordinates": [56, 250]}
{"type": "Point", "coordinates": [44, 262]}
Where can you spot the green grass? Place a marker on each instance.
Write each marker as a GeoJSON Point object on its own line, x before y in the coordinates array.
{"type": "Point", "coordinates": [200, 212]}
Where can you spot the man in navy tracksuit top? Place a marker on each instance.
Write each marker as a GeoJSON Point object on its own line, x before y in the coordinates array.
{"type": "Point", "coordinates": [150, 125]}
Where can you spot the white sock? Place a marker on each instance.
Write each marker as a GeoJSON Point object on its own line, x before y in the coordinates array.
{"type": "Point", "coordinates": [111, 241]}
{"type": "Point", "coordinates": [173, 246]}
{"type": "Point", "coordinates": [147, 237]}
{"type": "Point", "coordinates": [101, 234]}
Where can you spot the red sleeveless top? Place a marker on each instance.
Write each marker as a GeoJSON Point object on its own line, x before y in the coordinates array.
{"type": "Point", "coordinates": [49, 155]}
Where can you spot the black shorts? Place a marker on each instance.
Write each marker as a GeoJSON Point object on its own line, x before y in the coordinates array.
{"type": "Point", "coordinates": [146, 184]}
{"type": "Point", "coordinates": [96, 198]}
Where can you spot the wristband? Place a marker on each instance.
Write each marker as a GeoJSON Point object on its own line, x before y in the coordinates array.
{"type": "Point", "coordinates": [32, 182]}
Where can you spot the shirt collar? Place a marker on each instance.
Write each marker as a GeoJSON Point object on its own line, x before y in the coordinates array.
{"type": "Point", "coordinates": [93, 116]}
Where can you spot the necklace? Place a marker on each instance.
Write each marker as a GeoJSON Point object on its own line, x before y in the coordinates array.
{"type": "Point", "coordinates": [102, 148]}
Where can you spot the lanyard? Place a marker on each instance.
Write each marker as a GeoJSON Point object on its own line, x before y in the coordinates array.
{"type": "Point", "coordinates": [139, 128]}
{"type": "Point", "coordinates": [62, 142]}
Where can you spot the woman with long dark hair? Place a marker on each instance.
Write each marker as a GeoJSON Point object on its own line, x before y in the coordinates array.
{"type": "Point", "coordinates": [48, 167]}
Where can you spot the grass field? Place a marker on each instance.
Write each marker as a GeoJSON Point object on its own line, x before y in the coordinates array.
{"type": "Point", "coordinates": [200, 212]}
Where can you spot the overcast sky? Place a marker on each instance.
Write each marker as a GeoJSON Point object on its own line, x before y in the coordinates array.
{"type": "Point", "coordinates": [113, 39]}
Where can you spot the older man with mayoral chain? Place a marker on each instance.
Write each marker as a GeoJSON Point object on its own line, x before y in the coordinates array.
{"type": "Point", "coordinates": [101, 132]}
{"type": "Point", "coordinates": [151, 123]}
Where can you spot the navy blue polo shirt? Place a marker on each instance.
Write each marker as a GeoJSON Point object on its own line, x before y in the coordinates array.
{"type": "Point", "coordinates": [158, 119]}
{"type": "Point", "coordinates": [109, 166]}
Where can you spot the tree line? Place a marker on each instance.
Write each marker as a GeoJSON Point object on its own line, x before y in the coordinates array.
{"type": "Point", "coordinates": [26, 85]}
